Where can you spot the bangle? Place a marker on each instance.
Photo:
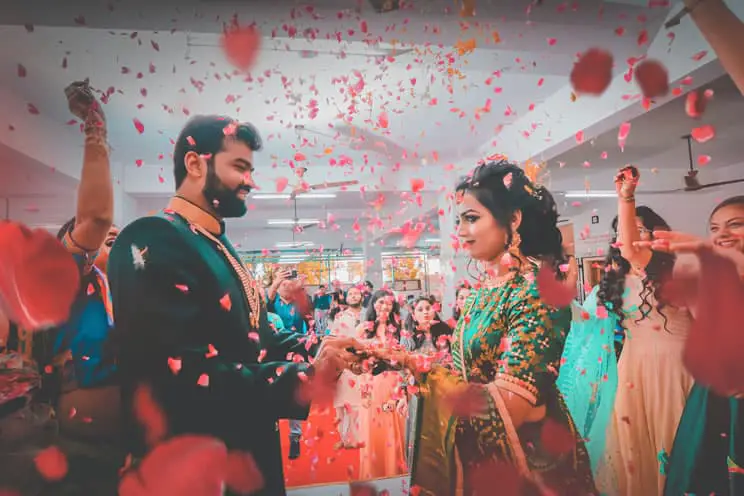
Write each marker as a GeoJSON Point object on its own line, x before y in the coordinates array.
{"type": "Point", "coordinates": [629, 198]}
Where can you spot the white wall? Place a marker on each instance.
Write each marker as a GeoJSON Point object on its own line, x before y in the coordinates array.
{"type": "Point", "coordinates": [687, 212]}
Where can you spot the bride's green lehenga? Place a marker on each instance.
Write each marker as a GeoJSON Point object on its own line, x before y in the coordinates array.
{"type": "Point", "coordinates": [509, 339]}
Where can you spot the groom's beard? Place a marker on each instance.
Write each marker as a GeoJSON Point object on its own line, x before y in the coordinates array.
{"type": "Point", "coordinates": [225, 201]}
{"type": "Point", "coordinates": [355, 306]}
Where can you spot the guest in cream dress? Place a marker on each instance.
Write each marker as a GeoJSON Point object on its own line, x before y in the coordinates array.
{"type": "Point", "coordinates": [653, 383]}
{"type": "Point", "coordinates": [348, 398]}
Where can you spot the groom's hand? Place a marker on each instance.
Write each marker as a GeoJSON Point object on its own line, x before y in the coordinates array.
{"type": "Point", "coordinates": [330, 362]}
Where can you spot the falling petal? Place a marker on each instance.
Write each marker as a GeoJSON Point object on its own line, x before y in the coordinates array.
{"type": "Point", "coordinates": [592, 73]}
{"type": "Point", "coordinates": [703, 159]}
{"type": "Point", "coordinates": [652, 78]}
{"type": "Point", "coordinates": [703, 133]}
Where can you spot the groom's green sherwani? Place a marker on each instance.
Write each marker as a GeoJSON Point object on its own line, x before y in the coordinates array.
{"type": "Point", "coordinates": [192, 323]}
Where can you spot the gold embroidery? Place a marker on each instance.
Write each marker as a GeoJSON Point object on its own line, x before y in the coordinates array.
{"type": "Point", "coordinates": [202, 222]}
{"type": "Point", "coordinates": [251, 290]}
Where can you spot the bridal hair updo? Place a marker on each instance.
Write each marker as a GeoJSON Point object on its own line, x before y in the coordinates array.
{"type": "Point", "coordinates": [503, 189]}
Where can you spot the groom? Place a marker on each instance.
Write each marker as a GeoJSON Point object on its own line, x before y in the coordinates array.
{"type": "Point", "coordinates": [192, 319]}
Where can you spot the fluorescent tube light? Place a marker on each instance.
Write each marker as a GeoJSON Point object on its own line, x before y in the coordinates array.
{"type": "Point", "coordinates": [281, 196]}
{"type": "Point", "coordinates": [289, 222]}
{"type": "Point", "coordinates": [294, 244]}
{"type": "Point", "coordinates": [591, 194]}
{"type": "Point", "coordinates": [432, 241]}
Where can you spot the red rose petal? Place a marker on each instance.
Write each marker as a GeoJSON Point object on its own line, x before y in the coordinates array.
{"type": "Point", "coordinates": [703, 133]}
{"type": "Point", "coordinates": [242, 474]}
{"type": "Point", "coordinates": [226, 302]}
{"type": "Point", "coordinates": [28, 295]}
{"type": "Point", "coordinates": [652, 78]}
{"type": "Point", "coordinates": [147, 411]}
{"type": "Point", "coordinates": [382, 120]}
{"type": "Point", "coordinates": [51, 463]}
{"type": "Point", "coordinates": [497, 474]}
{"type": "Point", "coordinates": [552, 291]}
{"type": "Point", "coordinates": [556, 438]}
{"type": "Point", "coordinates": [188, 464]}
{"type": "Point", "coordinates": [281, 184]}
{"type": "Point", "coordinates": [592, 73]}
{"type": "Point", "coordinates": [695, 103]}
{"type": "Point", "coordinates": [241, 46]}
{"type": "Point", "coordinates": [713, 351]}
{"type": "Point", "coordinates": [417, 185]}
{"type": "Point", "coordinates": [138, 125]}
{"type": "Point", "coordinates": [703, 159]}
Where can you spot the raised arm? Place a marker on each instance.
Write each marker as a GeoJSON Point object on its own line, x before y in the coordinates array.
{"type": "Point", "coordinates": [95, 199]}
{"type": "Point", "coordinates": [627, 229]}
{"type": "Point", "coordinates": [167, 320]}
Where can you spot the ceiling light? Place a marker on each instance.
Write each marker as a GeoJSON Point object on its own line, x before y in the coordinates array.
{"type": "Point", "coordinates": [591, 194]}
{"type": "Point", "coordinates": [294, 244]}
{"type": "Point", "coordinates": [289, 222]}
{"type": "Point", "coordinates": [432, 241]}
{"type": "Point", "coordinates": [279, 196]}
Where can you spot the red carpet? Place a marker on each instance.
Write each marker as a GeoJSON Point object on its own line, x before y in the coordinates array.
{"type": "Point", "coordinates": [319, 462]}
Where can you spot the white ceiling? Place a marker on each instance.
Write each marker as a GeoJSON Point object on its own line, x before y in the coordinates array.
{"type": "Point", "coordinates": [164, 63]}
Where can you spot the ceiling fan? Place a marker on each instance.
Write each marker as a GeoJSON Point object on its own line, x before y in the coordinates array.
{"type": "Point", "coordinates": [692, 183]}
{"type": "Point", "coordinates": [296, 225]}
{"type": "Point", "coordinates": [303, 186]}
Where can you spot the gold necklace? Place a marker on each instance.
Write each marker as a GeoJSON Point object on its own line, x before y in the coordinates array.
{"type": "Point", "coordinates": [251, 291]}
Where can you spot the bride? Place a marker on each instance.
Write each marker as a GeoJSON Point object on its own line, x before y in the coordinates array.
{"type": "Point", "coordinates": [497, 412]}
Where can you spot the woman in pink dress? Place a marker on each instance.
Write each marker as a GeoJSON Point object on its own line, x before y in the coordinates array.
{"type": "Point", "coordinates": [382, 417]}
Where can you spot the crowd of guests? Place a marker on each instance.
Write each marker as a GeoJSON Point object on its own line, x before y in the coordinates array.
{"type": "Point", "coordinates": [168, 343]}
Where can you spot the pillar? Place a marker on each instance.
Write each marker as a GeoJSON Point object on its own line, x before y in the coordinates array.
{"type": "Point", "coordinates": [453, 261]}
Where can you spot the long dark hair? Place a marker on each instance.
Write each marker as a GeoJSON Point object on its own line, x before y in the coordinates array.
{"type": "Point", "coordinates": [438, 328]}
{"type": "Point", "coordinates": [657, 272]}
{"type": "Point", "coordinates": [371, 315]}
{"type": "Point", "coordinates": [503, 188]}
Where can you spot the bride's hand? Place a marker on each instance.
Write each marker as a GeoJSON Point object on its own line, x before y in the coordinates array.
{"type": "Point", "coordinates": [396, 357]}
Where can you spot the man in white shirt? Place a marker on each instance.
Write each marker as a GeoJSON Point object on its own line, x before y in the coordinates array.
{"type": "Point", "coordinates": [348, 395]}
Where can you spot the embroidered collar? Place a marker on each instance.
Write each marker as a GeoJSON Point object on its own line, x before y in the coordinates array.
{"type": "Point", "coordinates": [196, 215]}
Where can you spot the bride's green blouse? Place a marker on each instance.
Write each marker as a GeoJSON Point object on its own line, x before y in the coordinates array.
{"type": "Point", "coordinates": [510, 340]}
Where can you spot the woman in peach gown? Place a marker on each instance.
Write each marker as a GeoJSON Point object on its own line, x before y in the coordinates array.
{"type": "Point", "coordinates": [382, 420]}
{"type": "Point", "coordinates": [653, 383]}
